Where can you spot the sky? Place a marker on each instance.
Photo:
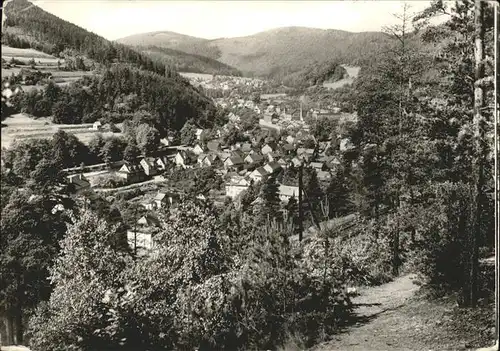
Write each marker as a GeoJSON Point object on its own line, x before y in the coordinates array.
{"type": "Point", "coordinates": [114, 19]}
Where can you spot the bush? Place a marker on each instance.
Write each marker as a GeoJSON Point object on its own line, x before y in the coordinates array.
{"type": "Point", "coordinates": [110, 181]}
{"type": "Point", "coordinates": [442, 248]}
{"type": "Point", "coordinates": [200, 290]}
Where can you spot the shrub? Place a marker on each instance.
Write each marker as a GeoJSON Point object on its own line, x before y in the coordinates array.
{"type": "Point", "coordinates": [442, 246]}
{"type": "Point", "coordinates": [201, 289]}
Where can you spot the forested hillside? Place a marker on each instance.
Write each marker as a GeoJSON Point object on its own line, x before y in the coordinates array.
{"type": "Point", "coordinates": [315, 74]}
{"type": "Point", "coordinates": [275, 53]}
{"type": "Point", "coordinates": [184, 62]}
{"type": "Point", "coordinates": [172, 40]}
{"type": "Point", "coordinates": [410, 191]}
{"type": "Point", "coordinates": [116, 95]}
{"type": "Point", "coordinates": [29, 26]}
{"type": "Point", "coordinates": [125, 80]}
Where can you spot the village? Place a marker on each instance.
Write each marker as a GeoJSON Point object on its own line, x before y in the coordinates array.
{"type": "Point", "coordinates": [281, 139]}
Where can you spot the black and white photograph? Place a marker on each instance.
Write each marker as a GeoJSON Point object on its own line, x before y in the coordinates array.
{"type": "Point", "coordinates": [273, 175]}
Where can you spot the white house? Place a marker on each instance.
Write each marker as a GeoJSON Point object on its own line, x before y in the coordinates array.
{"type": "Point", "coordinates": [236, 186]}
{"type": "Point", "coordinates": [258, 174]}
{"type": "Point", "coordinates": [199, 132]}
{"type": "Point", "coordinates": [272, 167]}
{"type": "Point", "coordinates": [268, 148]}
{"type": "Point", "coordinates": [97, 125]}
{"type": "Point", "coordinates": [198, 150]}
{"type": "Point", "coordinates": [287, 191]}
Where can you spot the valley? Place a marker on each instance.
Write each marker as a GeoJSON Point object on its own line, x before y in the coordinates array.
{"type": "Point", "coordinates": [294, 189]}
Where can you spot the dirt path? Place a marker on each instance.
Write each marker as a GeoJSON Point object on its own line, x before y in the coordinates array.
{"type": "Point", "coordinates": [377, 318]}
{"type": "Point", "coordinates": [391, 317]}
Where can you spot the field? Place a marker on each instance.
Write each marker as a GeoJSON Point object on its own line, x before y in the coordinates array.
{"type": "Point", "coordinates": [43, 62]}
{"type": "Point", "coordinates": [8, 51]}
{"type": "Point", "coordinates": [351, 71]}
{"type": "Point", "coordinates": [21, 126]}
{"type": "Point", "coordinates": [199, 76]}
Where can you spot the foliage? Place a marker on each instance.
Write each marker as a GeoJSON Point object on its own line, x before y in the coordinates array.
{"type": "Point", "coordinates": [184, 62]}
{"type": "Point", "coordinates": [122, 93]}
{"type": "Point", "coordinates": [31, 229]}
{"type": "Point", "coordinates": [148, 139]}
{"type": "Point", "coordinates": [23, 156]}
{"type": "Point", "coordinates": [113, 149]}
{"type": "Point", "coordinates": [68, 151]}
{"type": "Point", "coordinates": [54, 35]}
{"type": "Point", "coordinates": [315, 74]}
{"type": "Point", "coordinates": [188, 133]}
{"type": "Point", "coordinates": [200, 289]}
{"type": "Point", "coordinates": [442, 246]}
{"type": "Point", "coordinates": [86, 268]}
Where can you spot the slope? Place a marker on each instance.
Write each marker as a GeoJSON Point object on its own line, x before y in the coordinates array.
{"type": "Point", "coordinates": [185, 62]}
{"type": "Point", "coordinates": [172, 40]}
{"type": "Point", "coordinates": [28, 26]}
{"type": "Point", "coordinates": [124, 83]}
{"type": "Point", "coordinates": [274, 53]}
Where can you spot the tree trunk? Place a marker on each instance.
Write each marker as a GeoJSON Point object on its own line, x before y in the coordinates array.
{"type": "Point", "coordinates": [478, 164]}
{"type": "Point", "coordinates": [9, 330]}
{"type": "Point", "coordinates": [19, 327]}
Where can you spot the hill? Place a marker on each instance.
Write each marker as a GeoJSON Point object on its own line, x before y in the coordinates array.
{"type": "Point", "coordinates": [28, 26]}
{"type": "Point", "coordinates": [172, 40]}
{"type": "Point", "coordinates": [121, 83]}
{"type": "Point", "coordinates": [185, 62]}
{"type": "Point", "coordinates": [275, 53]}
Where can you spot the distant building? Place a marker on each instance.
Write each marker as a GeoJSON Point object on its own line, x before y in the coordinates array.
{"type": "Point", "coordinates": [97, 125]}
{"type": "Point", "coordinates": [161, 163]}
{"type": "Point", "coordinates": [287, 191]}
{"type": "Point", "coordinates": [78, 182]}
{"type": "Point", "coordinates": [253, 158]}
{"type": "Point", "coordinates": [131, 172]}
{"type": "Point", "coordinates": [182, 159]}
{"type": "Point", "coordinates": [290, 139]}
{"type": "Point", "coordinates": [318, 166]}
{"type": "Point", "coordinates": [259, 174]}
{"type": "Point", "coordinates": [236, 186]}
{"type": "Point", "coordinates": [323, 175]}
{"type": "Point", "coordinates": [234, 163]}
{"type": "Point", "coordinates": [213, 145]}
{"type": "Point", "coordinates": [272, 167]}
{"type": "Point", "coordinates": [149, 166]}
{"type": "Point", "coordinates": [198, 150]}
{"type": "Point", "coordinates": [164, 199]}
{"type": "Point", "coordinates": [288, 149]}
{"type": "Point", "coordinates": [199, 133]}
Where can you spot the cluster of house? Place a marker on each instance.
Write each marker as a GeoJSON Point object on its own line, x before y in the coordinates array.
{"type": "Point", "coordinates": [148, 167]}
{"type": "Point", "coordinates": [241, 165]}
{"type": "Point", "coordinates": [226, 82]}
{"type": "Point", "coordinates": [244, 163]}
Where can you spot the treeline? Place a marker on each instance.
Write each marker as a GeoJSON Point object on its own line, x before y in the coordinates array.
{"type": "Point", "coordinates": [415, 167]}
{"type": "Point", "coordinates": [184, 62]}
{"type": "Point", "coordinates": [313, 74]}
{"type": "Point", "coordinates": [224, 284]}
{"type": "Point", "coordinates": [52, 35]}
{"type": "Point", "coordinates": [116, 95]}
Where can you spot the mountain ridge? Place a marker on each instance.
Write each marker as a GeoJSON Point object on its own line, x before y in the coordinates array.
{"type": "Point", "coordinates": [273, 53]}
